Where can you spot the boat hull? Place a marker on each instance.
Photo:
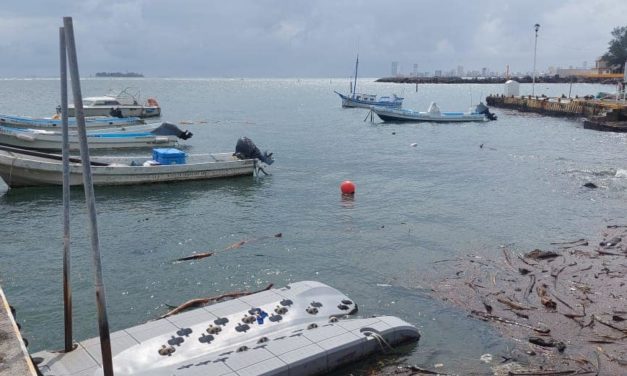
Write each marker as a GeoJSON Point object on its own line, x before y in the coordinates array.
{"type": "Point", "coordinates": [403, 116]}
{"type": "Point", "coordinates": [126, 111]}
{"type": "Point", "coordinates": [18, 170]}
{"type": "Point", "coordinates": [53, 141]}
{"type": "Point", "coordinates": [100, 122]}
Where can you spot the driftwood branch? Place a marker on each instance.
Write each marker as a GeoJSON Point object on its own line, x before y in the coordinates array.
{"type": "Point", "coordinates": [204, 301]}
{"type": "Point", "coordinates": [237, 245]}
{"type": "Point", "coordinates": [485, 316]}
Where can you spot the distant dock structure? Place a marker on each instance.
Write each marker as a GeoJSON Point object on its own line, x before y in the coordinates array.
{"type": "Point", "coordinates": [600, 114]}
{"type": "Point", "coordinates": [120, 74]}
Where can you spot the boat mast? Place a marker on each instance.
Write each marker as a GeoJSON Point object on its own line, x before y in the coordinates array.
{"type": "Point", "coordinates": [355, 84]}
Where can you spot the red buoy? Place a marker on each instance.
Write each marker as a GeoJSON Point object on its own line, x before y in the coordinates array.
{"type": "Point", "coordinates": [347, 187]}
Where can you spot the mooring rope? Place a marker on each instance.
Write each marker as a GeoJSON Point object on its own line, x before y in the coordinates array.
{"type": "Point", "coordinates": [385, 346]}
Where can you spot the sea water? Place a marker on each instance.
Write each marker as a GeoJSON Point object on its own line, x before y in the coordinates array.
{"type": "Point", "coordinates": [425, 192]}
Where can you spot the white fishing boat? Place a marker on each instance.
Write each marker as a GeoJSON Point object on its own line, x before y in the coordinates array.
{"type": "Point", "coordinates": [122, 104]}
{"type": "Point", "coordinates": [24, 168]}
{"type": "Point", "coordinates": [154, 135]}
{"type": "Point", "coordinates": [355, 99]}
{"type": "Point", "coordinates": [97, 122]}
{"type": "Point", "coordinates": [302, 329]}
{"type": "Point", "coordinates": [433, 114]}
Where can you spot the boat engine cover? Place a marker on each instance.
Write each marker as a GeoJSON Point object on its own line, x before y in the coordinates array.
{"type": "Point", "coordinates": [246, 149]}
{"type": "Point", "coordinates": [169, 129]}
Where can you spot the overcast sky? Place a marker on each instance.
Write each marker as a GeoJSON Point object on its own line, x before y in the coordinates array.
{"type": "Point", "coordinates": [297, 38]}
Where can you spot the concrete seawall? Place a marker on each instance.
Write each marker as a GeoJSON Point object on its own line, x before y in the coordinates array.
{"type": "Point", "coordinates": [14, 358]}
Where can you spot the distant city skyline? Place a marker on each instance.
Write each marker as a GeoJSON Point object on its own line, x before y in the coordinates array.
{"type": "Point", "coordinates": [274, 38]}
{"type": "Point", "coordinates": [398, 69]}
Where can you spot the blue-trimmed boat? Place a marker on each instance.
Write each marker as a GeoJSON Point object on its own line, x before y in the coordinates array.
{"type": "Point", "coordinates": [368, 100]}
{"type": "Point", "coordinates": [480, 113]}
{"type": "Point", "coordinates": [98, 122]}
{"type": "Point", "coordinates": [138, 136]}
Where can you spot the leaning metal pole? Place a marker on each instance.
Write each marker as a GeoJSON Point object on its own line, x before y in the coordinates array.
{"type": "Point", "coordinates": [67, 288]}
{"type": "Point", "coordinates": [535, 47]}
{"type": "Point", "coordinates": [103, 324]}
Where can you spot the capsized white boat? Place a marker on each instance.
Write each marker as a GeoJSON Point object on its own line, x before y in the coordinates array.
{"type": "Point", "coordinates": [24, 168]}
{"type": "Point", "coordinates": [157, 135]}
{"type": "Point", "coordinates": [433, 114]}
{"type": "Point", "coordinates": [301, 329]}
{"type": "Point", "coordinates": [97, 122]}
{"type": "Point", "coordinates": [123, 104]}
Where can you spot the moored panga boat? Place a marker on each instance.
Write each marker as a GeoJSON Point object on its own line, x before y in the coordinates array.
{"type": "Point", "coordinates": [122, 104]}
{"type": "Point", "coordinates": [140, 136]}
{"type": "Point", "coordinates": [479, 113]}
{"type": "Point", "coordinates": [95, 122]}
{"type": "Point", "coordinates": [24, 168]}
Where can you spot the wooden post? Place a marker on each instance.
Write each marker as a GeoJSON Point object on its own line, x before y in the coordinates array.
{"type": "Point", "coordinates": [67, 288]}
{"type": "Point", "coordinates": [103, 323]}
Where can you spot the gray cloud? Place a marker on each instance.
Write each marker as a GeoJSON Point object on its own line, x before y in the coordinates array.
{"type": "Point", "coordinates": [272, 38]}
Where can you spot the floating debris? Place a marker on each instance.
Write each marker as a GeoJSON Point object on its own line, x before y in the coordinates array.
{"type": "Point", "coordinates": [546, 300]}
{"type": "Point", "coordinates": [198, 256]}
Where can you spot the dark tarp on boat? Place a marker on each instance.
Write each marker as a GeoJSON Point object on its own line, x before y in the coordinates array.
{"type": "Point", "coordinates": [169, 129]}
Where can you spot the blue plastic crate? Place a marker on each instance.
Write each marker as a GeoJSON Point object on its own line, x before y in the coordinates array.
{"type": "Point", "coordinates": [168, 156]}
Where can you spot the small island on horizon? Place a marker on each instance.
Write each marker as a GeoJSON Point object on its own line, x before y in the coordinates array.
{"type": "Point", "coordinates": [118, 74]}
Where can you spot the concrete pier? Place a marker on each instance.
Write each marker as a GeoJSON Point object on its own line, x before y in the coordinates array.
{"type": "Point", "coordinates": [601, 115]}
{"type": "Point", "coordinates": [575, 107]}
{"type": "Point", "coordinates": [14, 358]}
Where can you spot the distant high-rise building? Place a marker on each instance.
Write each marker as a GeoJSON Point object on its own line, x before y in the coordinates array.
{"type": "Point", "coordinates": [438, 73]}
{"type": "Point", "coordinates": [394, 68]}
{"type": "Point", "coordinates": [484, 72]}
{"type": "Point", "coordinates": [585, 65]}
{"type": "Point", "coordinates": [415, 70]}
{"type": "Point", "coordinates": [460, 71]}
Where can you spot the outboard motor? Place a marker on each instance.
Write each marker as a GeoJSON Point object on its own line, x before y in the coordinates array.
{"type": "Point", "coordinates": [483, 109]}
{"type": "Point", "coordinates": [169, 129]}
{"type": "Point", "coordinates": [116, 112]}
{"type": "Point", "coordinates": [246, 149]}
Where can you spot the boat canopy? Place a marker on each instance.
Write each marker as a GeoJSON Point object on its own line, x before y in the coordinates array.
{"type": "Point", "coordinates": [100, 101]}
{"type": "Point", "coordinates": [366, 97]}
{"type": "Point", "coordinates": [434, 109]}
